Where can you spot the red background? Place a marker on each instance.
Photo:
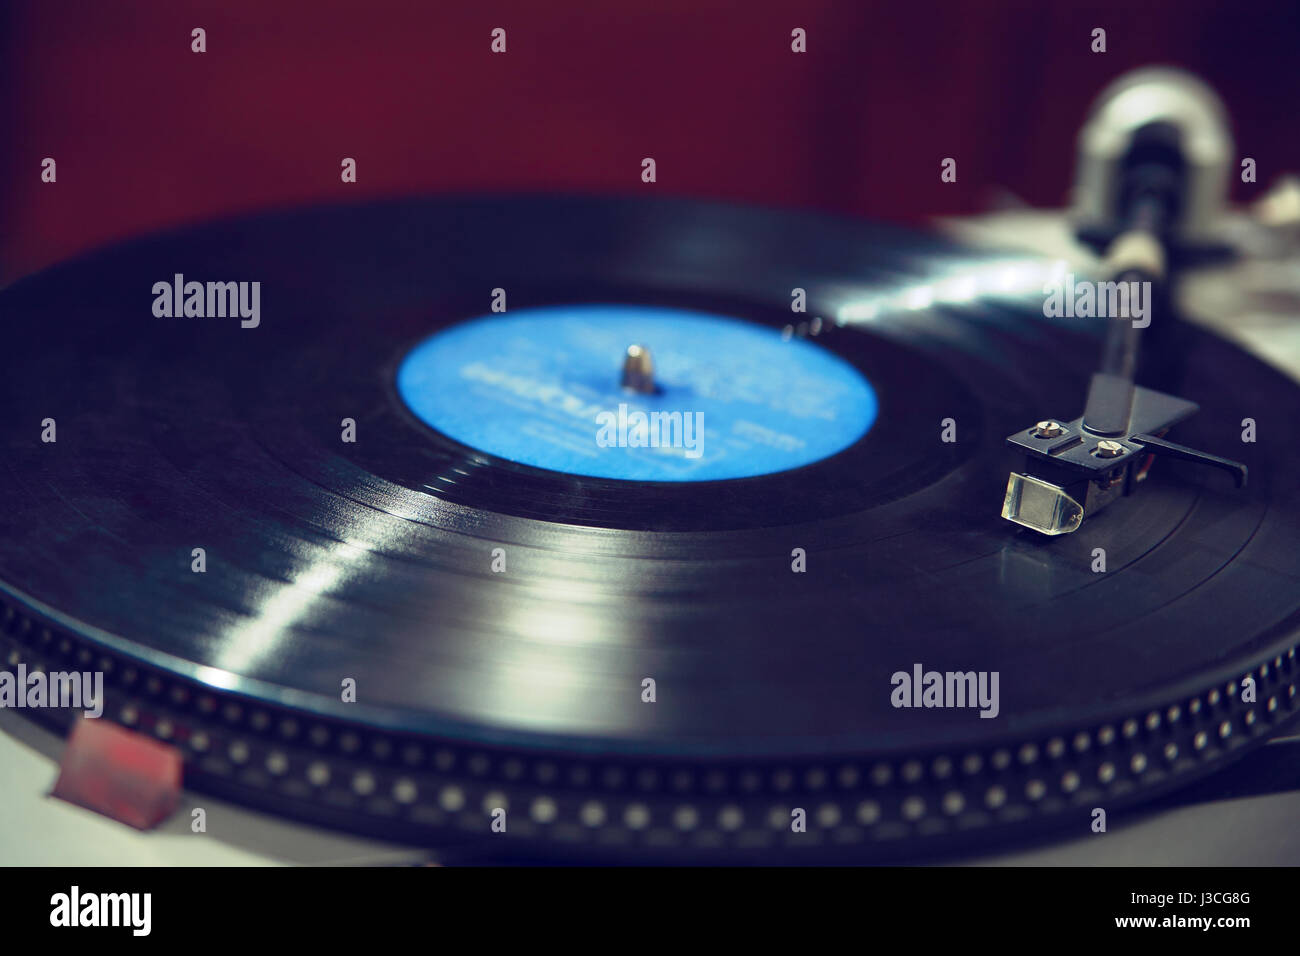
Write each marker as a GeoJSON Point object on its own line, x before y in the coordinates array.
{"type": "Point", "coordinates": [148, 134]}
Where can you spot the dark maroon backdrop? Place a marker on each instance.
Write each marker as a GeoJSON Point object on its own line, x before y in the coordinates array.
{"type": "Point", "coordinates": [148, 134]}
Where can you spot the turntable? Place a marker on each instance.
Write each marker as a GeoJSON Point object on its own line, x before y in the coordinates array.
{"type": "Point", "coordinates": [517, 528]}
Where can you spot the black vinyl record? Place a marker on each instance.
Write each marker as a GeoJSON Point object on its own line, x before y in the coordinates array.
{"type": "Point", "coordinates": [524, 690]}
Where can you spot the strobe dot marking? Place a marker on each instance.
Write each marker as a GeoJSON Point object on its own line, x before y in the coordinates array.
{"type": "Point", "coordinates": [636, 816]}
{"type": "Point", "coordinates": [404, 791]}
{"type": "Point", "coordinates": [685, 818]}
{"type": "Point", "coordinates": [544, 810]}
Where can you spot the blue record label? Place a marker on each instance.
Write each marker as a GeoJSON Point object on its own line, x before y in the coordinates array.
{"type": "Point", "coordinates": [542, 387]}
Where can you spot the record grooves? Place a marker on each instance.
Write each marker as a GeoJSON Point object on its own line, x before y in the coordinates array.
{"type": "Point", "coordinates": [373, 560]}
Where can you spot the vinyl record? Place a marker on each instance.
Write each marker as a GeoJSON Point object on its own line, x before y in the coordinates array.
{"type": "Point", "coordinates": [626, 651]}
